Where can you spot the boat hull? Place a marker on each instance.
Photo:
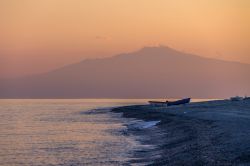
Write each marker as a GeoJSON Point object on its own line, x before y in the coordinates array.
{"type": "Point", "coordinates": [178, 102]}
{"type": "Point", "coordinates": [157, 103]}
{"type": "Point", "coordinates": [170, 103]}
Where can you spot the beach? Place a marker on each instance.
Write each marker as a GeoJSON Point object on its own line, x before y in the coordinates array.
{"type": "Point", "coordinates": [202, 133]}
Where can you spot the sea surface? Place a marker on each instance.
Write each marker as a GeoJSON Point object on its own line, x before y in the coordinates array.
{"type": "Point", "coordinates": [65, 132]}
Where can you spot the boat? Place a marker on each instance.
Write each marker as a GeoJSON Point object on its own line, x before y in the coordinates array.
{"type": "Point", "coordinates": [157, 103]}
{"type": "Point", "coordinates": [178, 102]}
{"type": "Point", "coordinates": [246, 98]}
{"type": "Point", "coordinates": [236, 98]}
{"type": "Point", "coordinates": [170, 103]}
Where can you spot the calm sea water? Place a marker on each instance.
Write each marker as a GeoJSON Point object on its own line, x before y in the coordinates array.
{"type": "Point", "coordinates": [64, 132]}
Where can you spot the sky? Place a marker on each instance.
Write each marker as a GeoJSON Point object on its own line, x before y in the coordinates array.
{"type": "Point", "coordinates": [40, 35]}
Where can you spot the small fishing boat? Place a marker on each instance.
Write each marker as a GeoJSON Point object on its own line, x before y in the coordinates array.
{"type": "Point", "coordinates": [178, 102]}
{"type": "Point", "coordinates": [246, 98]}
{"type": "Point", "coordinates": [170, 103]}
{"type": "Point", "coordinates": [157, 103]}
{"type": "Point", "coordinates": [236, 98]}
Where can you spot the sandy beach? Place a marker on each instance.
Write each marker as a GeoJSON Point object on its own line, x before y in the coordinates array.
{"type": "Point", "coordinates": [203, 133]}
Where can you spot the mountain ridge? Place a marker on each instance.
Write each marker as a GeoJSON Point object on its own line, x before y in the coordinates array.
{"type": "Point", "coordinates": [151, 72]}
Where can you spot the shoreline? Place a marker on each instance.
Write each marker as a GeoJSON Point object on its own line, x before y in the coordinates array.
{"type": "Point", "coordinates": [202, 133]}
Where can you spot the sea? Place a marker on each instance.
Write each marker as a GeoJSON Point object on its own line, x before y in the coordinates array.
{"type": "Point", "coordinates": [48, 132]}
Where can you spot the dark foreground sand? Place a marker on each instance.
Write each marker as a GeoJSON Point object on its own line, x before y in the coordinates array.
{"type": "Point", "coordinates": [205, 133]}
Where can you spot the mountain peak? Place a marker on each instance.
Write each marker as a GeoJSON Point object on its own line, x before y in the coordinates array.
{"type": "Point", "coordinates": [161, 49]}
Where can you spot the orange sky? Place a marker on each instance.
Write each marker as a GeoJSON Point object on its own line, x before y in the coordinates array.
{"type": "Point", "coordinates": [40, 35]}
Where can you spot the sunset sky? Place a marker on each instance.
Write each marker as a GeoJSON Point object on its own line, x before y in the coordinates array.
{"type": "Point", "coordinates": [40, 35]}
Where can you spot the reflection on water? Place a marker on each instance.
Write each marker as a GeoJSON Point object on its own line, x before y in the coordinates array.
{"type": "Point", "coordinates": [54, 132]}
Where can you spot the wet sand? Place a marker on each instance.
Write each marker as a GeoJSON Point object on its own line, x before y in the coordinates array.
{"type": "Point", "coordinates": [204, 133]}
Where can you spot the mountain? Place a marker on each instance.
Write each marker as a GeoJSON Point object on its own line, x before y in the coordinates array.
{"type": "Point", "coordinates": [152, 72]}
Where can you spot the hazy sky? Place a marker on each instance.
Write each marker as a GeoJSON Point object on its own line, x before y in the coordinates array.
{"type": "Point", "coordinates": [40, 35]}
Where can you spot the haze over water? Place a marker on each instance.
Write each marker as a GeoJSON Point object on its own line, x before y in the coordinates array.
{"type": "Point", "coordinates": [67, 132]}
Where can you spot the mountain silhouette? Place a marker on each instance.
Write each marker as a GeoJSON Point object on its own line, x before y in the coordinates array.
{"type": "Point", "coordinates": [152, 72]}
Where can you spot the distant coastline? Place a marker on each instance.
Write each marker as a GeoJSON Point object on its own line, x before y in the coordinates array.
{"type": "Point", "coordinates": [203, 133]}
